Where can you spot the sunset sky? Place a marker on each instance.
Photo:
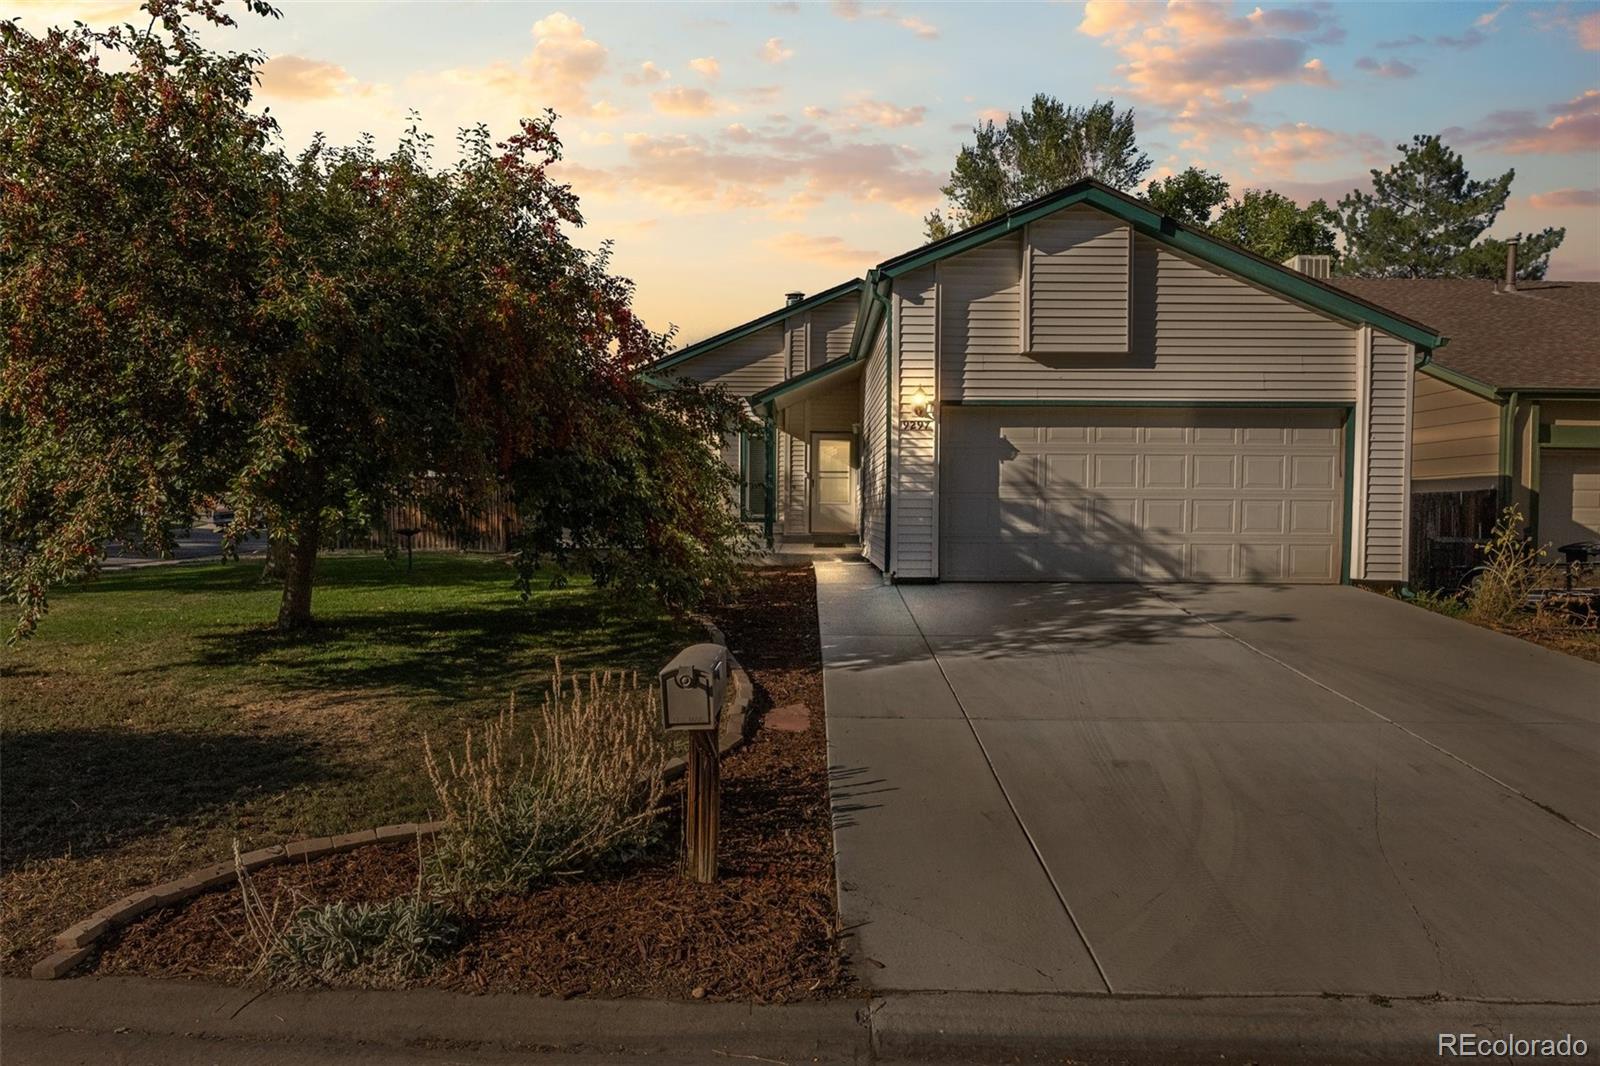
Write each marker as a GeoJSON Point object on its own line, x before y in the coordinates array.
{"type": "Point", "coordinates": [734, 152]}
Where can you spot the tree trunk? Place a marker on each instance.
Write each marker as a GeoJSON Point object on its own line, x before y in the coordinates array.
{"type": "Point", "coordinates": [295, 610]}
{"type": "Point", "coordinates": [277, 564]}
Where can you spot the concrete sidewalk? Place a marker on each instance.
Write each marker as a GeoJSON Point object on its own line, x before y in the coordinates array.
{"type": "Point", "coordinates": [143, 1022]}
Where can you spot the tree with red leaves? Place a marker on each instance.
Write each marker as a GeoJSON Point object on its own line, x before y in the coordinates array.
{"type": "Point", "coordinates": [191, 315]}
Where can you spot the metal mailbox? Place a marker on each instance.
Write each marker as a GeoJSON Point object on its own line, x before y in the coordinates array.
{"type": "Point", "coordinates": [694, 687]}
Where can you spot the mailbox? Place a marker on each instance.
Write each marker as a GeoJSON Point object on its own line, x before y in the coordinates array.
{"type": "Point", "coordinates": [694, 686]}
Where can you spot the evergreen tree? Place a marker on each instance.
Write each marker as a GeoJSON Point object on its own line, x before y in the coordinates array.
{"type": "Point", "coordinates": [1426, 216]}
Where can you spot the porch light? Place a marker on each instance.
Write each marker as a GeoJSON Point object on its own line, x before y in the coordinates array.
{"type": "Point", "coordinates": [919, 403]}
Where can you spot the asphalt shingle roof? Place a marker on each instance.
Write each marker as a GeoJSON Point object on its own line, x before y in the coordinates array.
{"type": "Point", "coordinates": [1546, 334]}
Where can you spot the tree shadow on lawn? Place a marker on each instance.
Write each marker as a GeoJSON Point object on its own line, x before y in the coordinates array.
{"type": "Point", "coordinates": [83, 791]}
{"type": "Point", "coordinates": [449, 653]}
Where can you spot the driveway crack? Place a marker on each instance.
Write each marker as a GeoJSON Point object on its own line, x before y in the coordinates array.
{"type": "Point", "coordinates": [1377, 833]}
{"type": "Point", "coordinates": [1033, 845]}
{"type": "Point", "coordinates": [1446, 752]}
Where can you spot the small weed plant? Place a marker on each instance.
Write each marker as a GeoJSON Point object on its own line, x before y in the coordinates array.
{"type": "Point", "coordinates": [375, 943]}
{"type": "Point", "coordinates": [371, 944]}
{"type": "Point", "coordinates": [1440, 602]}
{"type": "Point", "coordinates": [1512, 568]}
{"type": "Point", "coordinates": [573, 789]}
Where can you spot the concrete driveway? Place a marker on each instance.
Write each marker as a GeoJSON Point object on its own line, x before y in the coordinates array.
{"type": "Point", "coordinates": [1207, 790]}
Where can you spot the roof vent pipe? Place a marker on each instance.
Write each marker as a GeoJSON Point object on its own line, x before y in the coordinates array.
{"type": "Point", "coordinates": [792, 298]}
{"type": "Point", "coordinates": [1511, 265]}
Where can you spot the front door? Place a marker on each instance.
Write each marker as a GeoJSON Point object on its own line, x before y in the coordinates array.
{"type": "Point", "coordinates": [833, 497]}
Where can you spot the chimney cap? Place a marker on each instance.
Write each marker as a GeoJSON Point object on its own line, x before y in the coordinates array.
{"type": "Point", "coordinates": [791, 298]}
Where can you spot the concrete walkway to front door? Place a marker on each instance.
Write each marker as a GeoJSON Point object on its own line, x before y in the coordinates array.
{"type": "Point", "coordinates": [1206, 790]}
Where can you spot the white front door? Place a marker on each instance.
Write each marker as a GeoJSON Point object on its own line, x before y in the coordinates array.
{"type": "Point", "coordinates": [833, 496]}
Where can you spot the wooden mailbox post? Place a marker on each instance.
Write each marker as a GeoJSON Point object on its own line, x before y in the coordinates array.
{"type": "Point", "coordinates": [694, 687]}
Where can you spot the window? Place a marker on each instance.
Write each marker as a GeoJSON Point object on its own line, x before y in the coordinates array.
{"type": "Point", "coordinates": [753, 475]}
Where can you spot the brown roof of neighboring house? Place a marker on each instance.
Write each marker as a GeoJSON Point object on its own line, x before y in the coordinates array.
{"type": "Point", "coordinates": [1546, 334]}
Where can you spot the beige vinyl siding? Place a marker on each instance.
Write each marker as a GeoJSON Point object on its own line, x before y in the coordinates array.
{"type": "Point", "coordinates": [1454, 434]}
{"type": "Point", "coordinates": [832, 324]}
{"type": "Point", "coordinates": [1078, 264]}
{"type": "Point", "coordinates": [1197, 334]}
{"type": "Point", "coordinates": [1387, 486]}
{"type": "Point", "coordinates": [980, 318]}
{"type": "Point", "coordinates": [744, 367]}
{"type": "Point", "coordinates": [834, 409]}
{"type": "Point", "coordinates": [795, 342]}
{"type": "Point", "coordinates": [915, 454]}
{"type": "Point", "coordinates": [874, 448]}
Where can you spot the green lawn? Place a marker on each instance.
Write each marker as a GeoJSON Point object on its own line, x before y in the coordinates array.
{"type": "Point", "coordinates": [157, 714]}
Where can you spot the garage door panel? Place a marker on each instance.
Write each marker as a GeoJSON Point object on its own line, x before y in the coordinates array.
{"type": "Point", "coordinates": [1261, 516]}
{"type": "Point", "coordinates": [1127, 494]}
{"type": "Point", "coordinates": [1216, 471]}
{"type": "Point", "coordinates": [1165, 472]}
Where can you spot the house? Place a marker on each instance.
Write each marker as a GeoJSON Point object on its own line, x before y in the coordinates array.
{"type": "Point", "coordinates": [1508, 413]}
{"type": "Point", "coordinates": [1081, 389]}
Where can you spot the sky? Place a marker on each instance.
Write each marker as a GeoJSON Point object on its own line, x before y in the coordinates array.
{"type": "Point", "coordinates": [734, 152]}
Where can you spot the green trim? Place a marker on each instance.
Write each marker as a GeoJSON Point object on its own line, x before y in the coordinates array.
{"type": "Point", "coordinates": [1533, 474]}
{"type": "Point", "coordinates": [1349, 492]}
{"type": "Point", "coordinates": [1458, 380]}
{"type": "Point", "coordinates": [1536, 393]}
{"type": "Point", "coordinates": [1145, 220]}
{"type": "Point", "coordinates": [1505, 477]}
{"type": "Point", "coordinates": [884, 320]}
{"type": "Point", "coordinates": [753, 326]}
{"type": "Point", "coordinates": [1558, 436]}
{"type": "Point", "coordinates": [816, 373]}
{"type": "Point", "coordinates": [772, 475]}
{"type": "Point", "coordinates": [745, 514]}
{"type": "Point", "coordinates": [1331, 405]}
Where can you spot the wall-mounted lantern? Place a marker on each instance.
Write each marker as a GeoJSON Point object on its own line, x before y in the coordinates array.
{"type": "Point", "coordinates": [921, 406]}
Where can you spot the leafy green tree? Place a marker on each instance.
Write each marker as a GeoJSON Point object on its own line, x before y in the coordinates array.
{"type": "Point", "coordinates": [135, 194]}
{"type": "Point", "coordinates": [193, 315]}
{"type": "Point", "coordinates": [1047, 146]}
{"type": "Point", "coordinates": [1190, 197]}
{"type": "Point", "coordinates": [1426, 216]}
{"type": "Point", "coordinates": [1274, 226]}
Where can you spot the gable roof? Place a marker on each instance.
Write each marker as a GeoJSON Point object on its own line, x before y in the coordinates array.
{"type": "Point", "coordinates": [754, 325]}
{"type": "Point", "coordinates": [1544, 335]}
{"type": "Point", "coordinates": [1147, 220]}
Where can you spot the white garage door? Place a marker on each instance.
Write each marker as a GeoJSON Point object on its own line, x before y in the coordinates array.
{"type": "Point", "coordinates": [1140, 494]}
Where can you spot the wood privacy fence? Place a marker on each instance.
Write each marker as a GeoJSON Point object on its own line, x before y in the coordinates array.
{"type": "Point", "coordinates": [445, 519]}
{"type": "Point", "coordinates": [1446, 529]}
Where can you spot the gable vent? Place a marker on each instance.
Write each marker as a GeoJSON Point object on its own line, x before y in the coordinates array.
{"type": "Point", "coordinates": [1315, 266]}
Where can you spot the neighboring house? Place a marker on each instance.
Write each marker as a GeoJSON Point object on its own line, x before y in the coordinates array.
{"type": "Point", "coordinates": [1083, 389]}
{"type": "Point", "coordinates": [1508, 412]}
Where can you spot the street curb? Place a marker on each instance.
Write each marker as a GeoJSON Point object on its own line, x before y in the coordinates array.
{"type": "Point", "coordinates": [214, 1014]}
{"type": "Point", "coordinates": [1323, 1030]}
{"type": "Point", "coordinates": [922, 1027]}
{"type": "Point", "coordinates": [75, 943]}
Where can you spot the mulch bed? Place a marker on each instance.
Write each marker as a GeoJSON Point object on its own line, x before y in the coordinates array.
{"type": "Point", "coordinates": [765, 931]}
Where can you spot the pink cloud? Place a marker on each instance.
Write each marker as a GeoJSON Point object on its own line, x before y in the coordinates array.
{"type": "Point", "coordinates": [1389, 68]}
{"type": "Point", "coordinates": [557, 73]}
{"type": "Point", "coordinates": [707, 67]}
{"type": "Point", "coordinates": [298, 78]}
{"type": "Point", "coordinates": [826, 250]}
{"type": "Point", "coordinates": [852, 10]}
{"type": "Point", "coordinates": [774, 51]}
{"type": "Point", "coordinates": [1575, 128]}
{"type": "Point", "coordinates": [783, 170]}
{"type": "Point", "coordinates": [880, 113]}
{"type": "Point", "coordinates": [682, 101]}
{"type": "Point", "coordinates": [1565, 198]}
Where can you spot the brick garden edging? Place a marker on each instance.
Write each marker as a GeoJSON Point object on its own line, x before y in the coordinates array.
{"type": "Point", "coordinates": [75, 943]}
